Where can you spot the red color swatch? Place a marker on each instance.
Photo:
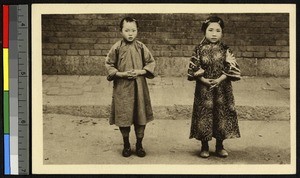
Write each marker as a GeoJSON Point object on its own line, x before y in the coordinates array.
{"type": "Point", "coordinates": [5, 25]}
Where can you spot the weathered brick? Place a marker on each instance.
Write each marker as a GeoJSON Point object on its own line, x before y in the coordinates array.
{"type": "Point", "coordinates": [95, 52]}
{"type": "Point", "coordinates": [282, 54]}
{"type": "Point", "coordinates": [107, 16]}
{"type": "Point", "coordinates": [182, 47]}
{"type": "Point", "coordinates": [247, 54]}
{"type": "Point", "coordinates": [176, 53]}
{"type": "Point", "coordinates": [282, 18]}
{"type": "Point", "coordinates": [271, 54]}
{"type": "Point", "coordinates": [281, 42]}
{"type": "Point", "coordinates": [49, 46]}
{"type": "Point", "coordinates": [237, 17]}
{"type": "Point", "coordinates": [83, 52]}
{"type": "Point", "coordinates": [166, 53]}
{"type": "Point", "coordinates": [259, 54]}
{"type": "Point", "coordinates": [257, 48]}
{"type": "Point", "coordinates": [47, 52]}
{"type": "Point", "coordinates": [84, 40]}
{"type": "Point", "coordinates": [106, 34]}
{"type": "Point", "coordinates": [102, 46]}
{"type": "Point", "coordinates": [156, 53]}
{"type": "Point", "coordinates": [238, 54]}
{"type": "Point", "coordinates": [102, 40]}
{"type": "Point", "coordinates": [279, 30]}
{"type": "Point", "coordinates": [114, 40]}
{"type": "Point", "coordinates": [82, 46]}
{"type": "Point", "coordinates": [279, 48]}
{"type": "Point", "coordinates": [187, 53]}
{"type": "Point", "coordinates": [174, 41]}
{"type": "Point", "coordinates": [72, 52]}
{"type": "Point", "coordinates": [104, 52]}
{"type": "Point", "coordinates": [62, 34]}
{"type": "Point", "coordinates": [105, 22]}
{"type": "Point", "coordinates": [79, 22]}
{"type": "Point", "coordinates": [64, 46]}
{"type": "Point", "coordinates": [263, 18]}
{"type": "Point", "coordinates": [63, 40]}
{"type": "Point", "coordinates": [60, 52]}
{"type": "Point", "coordinates": [258, 24]}
{"type": "Point", "coordinates": [196, 42]}
{"type": "Point", "coordinates": [279, 24]}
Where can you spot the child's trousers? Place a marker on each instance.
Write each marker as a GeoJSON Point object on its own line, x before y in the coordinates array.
{"type": "Point", "coordinates": [139, 131]}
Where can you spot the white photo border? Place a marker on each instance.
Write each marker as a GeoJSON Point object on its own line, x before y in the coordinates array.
{"type": "Point", "coordinates": [37, 111]}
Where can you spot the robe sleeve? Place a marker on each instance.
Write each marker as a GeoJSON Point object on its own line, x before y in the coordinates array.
{"type": "Point", "coordinates": [110, 63]}
{"type": "Point", "coordinates": [194, 65]}
{"type": "Point", "coordinates": [149, 63]}
{"type": "Point", "coordinates": [232, 69]}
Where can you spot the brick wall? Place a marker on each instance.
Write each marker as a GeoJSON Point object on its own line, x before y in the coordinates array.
{"type": "Point", "coordinates": [78, 44]}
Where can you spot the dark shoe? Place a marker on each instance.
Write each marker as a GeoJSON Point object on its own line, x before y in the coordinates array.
{"type": "Point", "coordinates": [140, 152]}
{"type": "Point", "coordinates": [222, 153]}
{"type": "Point", "coordinates": [126, 152]}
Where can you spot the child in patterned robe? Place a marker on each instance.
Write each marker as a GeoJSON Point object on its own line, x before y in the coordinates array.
{"type": "Point", "coordinates": [128, 63]}
{"type": "Point", "coordinates": [213, 66]}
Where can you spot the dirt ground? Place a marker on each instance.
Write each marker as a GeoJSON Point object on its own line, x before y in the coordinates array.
{"type": "Point", "coordinates": [83, 140]}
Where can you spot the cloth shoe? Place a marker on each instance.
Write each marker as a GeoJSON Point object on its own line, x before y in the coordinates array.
{"type": "Point", "coordinates": [126, 151]}
{"type": "Point", "coordinates": [204, 153]}
{"type": "Point", "coordinates": [221, 152]}
{"type": "Point", "coordinates": [140, 152]}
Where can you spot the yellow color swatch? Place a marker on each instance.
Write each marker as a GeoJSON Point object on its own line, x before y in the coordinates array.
{"type": "Point", "coordinates": [5, 70]}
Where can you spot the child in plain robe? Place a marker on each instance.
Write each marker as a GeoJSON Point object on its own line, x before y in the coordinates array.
{"type": "Point", "coordinates": [129, 62]}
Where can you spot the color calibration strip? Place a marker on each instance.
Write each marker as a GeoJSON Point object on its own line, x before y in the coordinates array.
{"type": "Point", "coordinates": [6, 90]}
{"type": "Point", "coordinates": [16, 89]}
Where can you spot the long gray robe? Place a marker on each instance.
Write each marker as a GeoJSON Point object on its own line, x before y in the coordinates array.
{"type": "Point", "coordinates": [131, 100]}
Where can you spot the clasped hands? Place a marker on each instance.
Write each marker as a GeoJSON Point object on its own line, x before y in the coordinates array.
{"type": "Point", "coordinates": [211, 83]}
{"type": "Point", "coordinates": [132, 74]}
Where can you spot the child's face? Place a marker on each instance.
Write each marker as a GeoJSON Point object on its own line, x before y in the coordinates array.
{"type": "Point", "coordinates": [213, 32]}
{"type": "Point", "coordinates": [129, 31]}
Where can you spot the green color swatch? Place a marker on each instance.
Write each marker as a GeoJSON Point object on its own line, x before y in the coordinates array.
{"type": "Point", "coordinates": [6, 112]}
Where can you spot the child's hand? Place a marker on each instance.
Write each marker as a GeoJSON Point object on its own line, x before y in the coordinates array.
{"type": "Point", "coordinates": [207, 82]}
{"type": "Point", "coordinates": [139, 72]}
{"type": "Point", "coordinates": [126, 75]}
{"type": "Point", "coordinates": [219, 80]}
{"type": "Point", "coordinates": [216, 82]}
{"type": "Point", "coordinates": [131, 74]}
{"type": "Point", "coordinates": [199, 73]}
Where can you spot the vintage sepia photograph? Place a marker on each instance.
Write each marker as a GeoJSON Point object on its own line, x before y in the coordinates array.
{"type": "Point", "coordinates": [173, 89]}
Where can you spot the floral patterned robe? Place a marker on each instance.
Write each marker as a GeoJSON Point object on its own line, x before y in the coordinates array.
{"type": "Point", "coordinates": [214, 113]}
{"type": "Point", "coordinates": [131, 100]}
